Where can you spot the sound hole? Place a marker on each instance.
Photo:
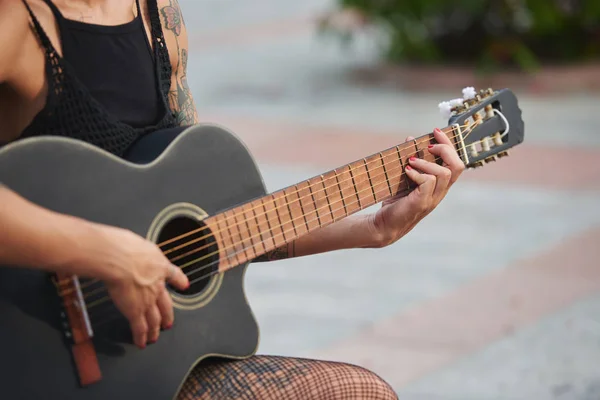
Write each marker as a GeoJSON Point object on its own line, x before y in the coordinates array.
{"type": "Point", "coordinates": [192, 247]}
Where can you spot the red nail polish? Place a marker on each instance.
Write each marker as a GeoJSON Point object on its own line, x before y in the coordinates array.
{"type": "Point", "coordinates": [430, 146]}
{"type": "Point", "coordinates": [169, 326]}
{"type": "Point", "coordinates": [413, 158]}
{"type": "Point", "coordinates": [408, 167]}
{"type": "Point", "coordinates": [143, 346]}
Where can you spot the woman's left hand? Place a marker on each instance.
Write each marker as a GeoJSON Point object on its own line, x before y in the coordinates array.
{"type": "Point", "coordinates": [398, 216]}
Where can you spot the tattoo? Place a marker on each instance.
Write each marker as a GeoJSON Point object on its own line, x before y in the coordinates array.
{"type": "Point", "coordinates": [279, 253]}
{"type": "Point", "coordinates": [180, 96]}
{"type": "Point", "coordinates": [172, 16]}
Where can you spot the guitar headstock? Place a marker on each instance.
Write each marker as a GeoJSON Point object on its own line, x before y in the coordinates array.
{"type": "Point", "coordinates": [489, 121]}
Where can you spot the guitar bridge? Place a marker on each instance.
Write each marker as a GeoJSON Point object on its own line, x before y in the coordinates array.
{"type": "Point", "coordinates": [84, 354]}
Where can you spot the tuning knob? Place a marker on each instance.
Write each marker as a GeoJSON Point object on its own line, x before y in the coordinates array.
{"type": "Point", "coordinates": [503, 154]}
{"type": "Point", "coordinates": [478, 164]}
{"type": "Point", "coordinates": [491, 159]}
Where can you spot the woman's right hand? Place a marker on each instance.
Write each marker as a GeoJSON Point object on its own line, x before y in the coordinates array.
{"type": "Point", "coordinates": [137, 283]}
{"type": "Point", "coordinates": [134, 269]}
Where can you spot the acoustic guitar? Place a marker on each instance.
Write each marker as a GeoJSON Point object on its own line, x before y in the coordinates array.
{"type": "Point", "coordinates": [199, 195]}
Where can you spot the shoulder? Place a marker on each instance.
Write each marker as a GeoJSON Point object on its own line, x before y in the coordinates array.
{"type": "Point", "coordinates": [174, 30]}
{"type": "Point", "coordinates": [14, 24]}
{"type": "Point", "coordinates": [170, 13]}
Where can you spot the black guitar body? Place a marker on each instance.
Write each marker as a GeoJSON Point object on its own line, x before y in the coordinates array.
{"type": "Point", "coordinates": [169, 176]}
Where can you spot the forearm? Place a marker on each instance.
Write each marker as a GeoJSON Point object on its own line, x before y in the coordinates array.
{"type": "Point", "coordinates": [348, 233]}
{"type": "Point", "coordinates": [34, 237]}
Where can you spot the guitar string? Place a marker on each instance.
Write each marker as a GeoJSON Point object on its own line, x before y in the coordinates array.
{"type": "Point", "coordinates": [385, 165]}
{"type": "Point", "coordinates": [287, 203]}
{"type": "Point", "coordinates": [243, 219]}
{"type": "Point", "coordinates": [100, 323]}
{"type": "Point", "coordinates": [357, 201]}
{"type": "Point", "coordinates": [310, 186]}
{"type": "Point", "coordinates": [87, 284]}
{"type": "Point", "coordinates": [385, 173]}
{"type": "Point", "coordinates": [97, 302]}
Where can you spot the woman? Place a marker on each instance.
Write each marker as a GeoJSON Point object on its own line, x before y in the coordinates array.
{"type": "Point", "coordinates": [107, 72]}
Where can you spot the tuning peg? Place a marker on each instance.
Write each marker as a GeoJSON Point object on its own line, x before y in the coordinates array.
{"type": "Point", "coordinates": [477, 164]}
{"type": "Point", "coordinates": [469, 93]}
{"type": "Point", "coordinates": [491, 159]}
{"type": "Point", "coordinates": [503, 154]}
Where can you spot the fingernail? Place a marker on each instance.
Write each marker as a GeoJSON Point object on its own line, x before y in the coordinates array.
{"type": "Point", "coordinates": [143, 346]}
{"type": "Point", "coordinates": [413, 158]}
{"type": "Point", "coordinates": [437, 130]}
{"type": "Point", "coordinates": [408, 167]}
{"type": "Point", "coordinates": [169, 326]}
{"type": "Point", "coordinates": [152, 341]}
{"type": "Point", "coordinates": [430, 146]}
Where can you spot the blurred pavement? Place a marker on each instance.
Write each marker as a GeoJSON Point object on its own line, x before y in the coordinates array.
{"type": "Point", "coordinates": [495, 295]}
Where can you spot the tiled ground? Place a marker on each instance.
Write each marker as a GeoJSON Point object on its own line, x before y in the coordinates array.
{"type": "Point", "coordinates": [495, 296]}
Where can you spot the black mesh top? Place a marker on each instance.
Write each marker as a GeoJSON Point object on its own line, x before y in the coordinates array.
{"type": "Point", "coordinates": [91, 97]}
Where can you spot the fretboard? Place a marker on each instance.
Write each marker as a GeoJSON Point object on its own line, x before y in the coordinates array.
{"type": "Point", "coordinates": [264, 224]}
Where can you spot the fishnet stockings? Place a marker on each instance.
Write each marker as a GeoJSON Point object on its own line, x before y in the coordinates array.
{"type": "Point", "coordinates": [283, 378]}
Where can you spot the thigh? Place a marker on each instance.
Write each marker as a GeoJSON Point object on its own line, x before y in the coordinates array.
{"type": "Point", "coordinates": [275, 377]}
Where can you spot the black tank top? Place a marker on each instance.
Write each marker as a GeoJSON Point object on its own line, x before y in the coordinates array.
{"type": "Point", "coordinates": [109, 87]}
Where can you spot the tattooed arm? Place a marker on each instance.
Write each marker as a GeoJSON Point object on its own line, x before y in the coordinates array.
{"type": "Point", "coordinates": [353, 232]}
{"type": "Point", "coordinates": [175, 32]}
{"type": "Point", "coordinates": [349, 233]}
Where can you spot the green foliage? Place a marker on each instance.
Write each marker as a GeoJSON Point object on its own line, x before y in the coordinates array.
{"type": "Point", "coordinates": [489, 33]}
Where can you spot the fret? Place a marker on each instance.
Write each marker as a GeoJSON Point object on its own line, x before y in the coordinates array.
{"type": "Point", "coordinates": [340, 191]}
{"type": "Point", "coordinates": [405, 153]}
{"type": "Point", "coordinates": [365, 190]}
{"type": "Point", "coordinates": [283, 205]}
{"type": "Point", "coordinates": [274, 221]}
{"type": "Point", "coordinates": [418, 152]}
{"type": "Point", "coordinates": [266, 233]}
{"type": "Point", "coordinates": [240, 247]}
{"type": "Point", "coordinates": [247, 235]}
{"type": "Point", "coordinates": [330, 215]}
{"type": "Point", "coordinates": [255, 227]}
{"type": "Point", "coordinates": [323, 201]}
{"type": "Point", "coordinates": [355, 188]}
{"type": "Point", "coordinates": [395, 169]}
{"type": "Point", "coordinates": [349, 193]}
{"type": "Point", "coordinates": [370, 180]}
{"type": "Point", "coordinates": [228, 245]}
{"type": "Point", "coordinates": [312, 196]}
{"type": "Point", "coordinates": [387, 177]}
{"type": "Point", "coordinates": [251, 235]}
{"type": "Point", "coordinates": [299, 219]}
{"type": "Point", "coordinates": [379, 178]}
{"type": "Point", "coordinates": [334, 199]}
{"type": "Point", "coordinates": [423, 150]}
{"type": "Point", "coordinates": [402, 176]}
{"type": "Point", "coordinates": [305, 205]}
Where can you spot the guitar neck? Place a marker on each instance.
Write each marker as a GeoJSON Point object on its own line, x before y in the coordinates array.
{"type": "Point", "coordinates": [266, 223]}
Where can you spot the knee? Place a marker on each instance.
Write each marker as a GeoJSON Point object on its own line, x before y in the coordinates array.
{"type": "Point", "coordinates": [376, 388]}
{"type": "Point", "coordinates": [357, 383]}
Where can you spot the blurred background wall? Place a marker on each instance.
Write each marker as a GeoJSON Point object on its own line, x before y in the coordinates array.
{"type": "Point", "coordinates": [496, 294]}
